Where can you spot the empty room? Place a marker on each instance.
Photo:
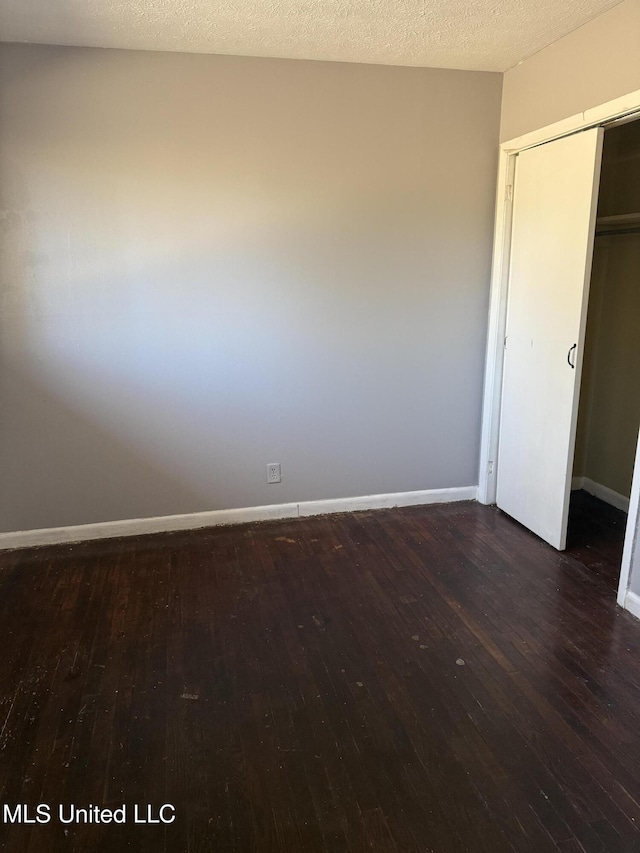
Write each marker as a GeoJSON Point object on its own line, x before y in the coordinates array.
{"type": "Point", "coordinates": [319, 414]}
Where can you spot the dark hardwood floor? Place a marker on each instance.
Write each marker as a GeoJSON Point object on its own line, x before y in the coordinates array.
{"type": "Point", "coordinates": [596, 535]}
{"type": "Point", "coordinates": [421, 679]}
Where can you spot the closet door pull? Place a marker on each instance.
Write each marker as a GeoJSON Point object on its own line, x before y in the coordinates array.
{"type": "Point", "coordinates": [571, 363]}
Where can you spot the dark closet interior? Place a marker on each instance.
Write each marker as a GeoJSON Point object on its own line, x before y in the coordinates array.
{"type": "Point", "coordinates": [609, 413]}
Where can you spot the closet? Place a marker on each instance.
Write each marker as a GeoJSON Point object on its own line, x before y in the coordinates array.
{"type": "Point", "coordinates": [572, 302]}
{"type": "Point", "coordinates": [609, 403]}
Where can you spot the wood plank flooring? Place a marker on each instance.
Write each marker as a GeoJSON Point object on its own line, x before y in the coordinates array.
{"type": "Point", "coordinates": [420, 679]}
{"type": "Point", "coordinates": [596, 535]}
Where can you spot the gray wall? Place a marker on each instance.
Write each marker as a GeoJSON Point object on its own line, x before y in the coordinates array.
{"type": "Point", "coordinates": [211, 263]}
{"type": "Point", "coordinates": [594, 64]}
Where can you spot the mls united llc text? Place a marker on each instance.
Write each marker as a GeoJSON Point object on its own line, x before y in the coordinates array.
{"type": "Point", "coordinates": [69, 813]}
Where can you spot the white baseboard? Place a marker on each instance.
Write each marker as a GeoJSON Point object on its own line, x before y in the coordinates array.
{"type": "Point", "coordinates": [193, 521]}
{"type": "Point", "coordinates": [430, 496]}
{"type": "Point", "coordinates": [632, 603]}
{"type": "Point", "coordinates": [603, 492]}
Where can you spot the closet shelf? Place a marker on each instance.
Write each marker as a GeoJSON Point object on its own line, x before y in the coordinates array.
{"type": "Point", "coordinates": [623, 223]}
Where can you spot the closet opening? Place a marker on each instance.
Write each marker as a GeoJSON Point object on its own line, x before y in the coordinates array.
{"type": "Point", "coordinates": [609, 407]}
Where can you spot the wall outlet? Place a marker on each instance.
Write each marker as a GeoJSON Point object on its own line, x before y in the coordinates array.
{"type": "Point", "coordinates": [273, 472]}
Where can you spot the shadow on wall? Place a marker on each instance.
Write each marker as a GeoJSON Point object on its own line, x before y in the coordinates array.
{"type": "Point", "coordinates": [84, 471]}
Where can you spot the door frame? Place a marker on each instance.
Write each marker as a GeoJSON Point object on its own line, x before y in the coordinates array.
{"type": "Point", "coordinates": [625, 107]}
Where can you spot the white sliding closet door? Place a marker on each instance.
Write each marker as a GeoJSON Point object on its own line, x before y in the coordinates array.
{"type": "Point", "coordinates": [556, 189]}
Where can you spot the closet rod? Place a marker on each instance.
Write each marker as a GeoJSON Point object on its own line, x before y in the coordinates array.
{"type": "Point", "coordinates": [613, 232]}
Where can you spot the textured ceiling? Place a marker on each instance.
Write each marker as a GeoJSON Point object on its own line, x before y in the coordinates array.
{"type": "Point", "coordinates": [488, 35]}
